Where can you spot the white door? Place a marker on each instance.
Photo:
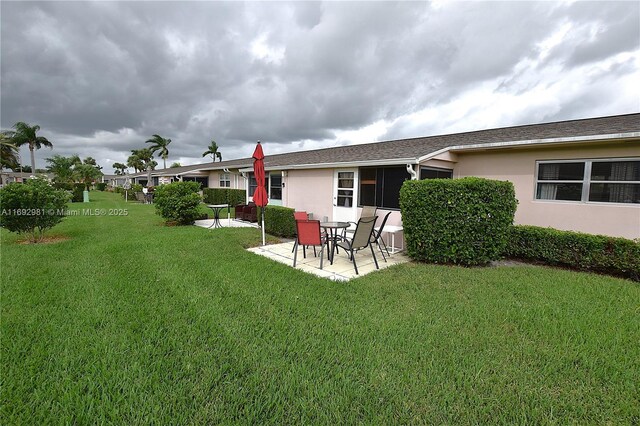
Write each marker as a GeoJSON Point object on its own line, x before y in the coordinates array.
{"type": "Point", "coordinates": [345, 195]}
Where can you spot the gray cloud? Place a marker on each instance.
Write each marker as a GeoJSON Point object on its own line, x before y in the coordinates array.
{"type": "Point", "coordinates": [102, 77]}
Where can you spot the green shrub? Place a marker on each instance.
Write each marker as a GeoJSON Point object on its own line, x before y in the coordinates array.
{"type": "Point", "coordinates": [32, 207]}
{"type": "Point", "coordinates": [101, 186]}
{"type": "Point", "coordinates": [130, 194]}
{"type": "Point", "coordinates": [460, 221]}
{"type": "Point", "coordinates": [67, 186]}
{"type": "Point", "coordinates": [233, 197]}
{"type": "Point", "coordinates": [278, 221]}
{"type": "Point", "coordinates": [586, 252]}
{"type": "Point", "coordinates": [178, 202]}
{"type": "Point", "coordinates": [78, 189]}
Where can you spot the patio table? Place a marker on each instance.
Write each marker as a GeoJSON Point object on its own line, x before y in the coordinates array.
{"type": "Point", "coordinates": [217, 208]}
{"type": "Point", "coordinates": [332, 231]}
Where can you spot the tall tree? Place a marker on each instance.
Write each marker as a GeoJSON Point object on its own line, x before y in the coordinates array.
{"type": "Point", "coordinates": [135, 162]}
{"type": "Point", "coordinates": [8, 151]}
{"type": "Point", "coordinates": [92, 162]}
{"type": "Point", "coordinates": [160, 144]}
{"type": "Point", "coordinates": [119, 168]}
{"type": "Point", "coordinates": [174, 165]}
{"type": "Point", "coordinates": [86, 173]}
{"type": "Point", "coordinates": [27, 135]}
{"type": "Point", "coordinates": [145, 160]}
{"type": "Point", "coordinates": [63, 168]}
{"type": "Point", "coordinates": [213, 151]}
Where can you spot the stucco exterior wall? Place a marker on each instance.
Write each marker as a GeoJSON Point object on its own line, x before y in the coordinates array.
{"type": "Point", "coordinates": [237, 181]}
{"type": "Point", "coordinates": [309, 190]}
{"type": "Point", "coordinates": [519, 167]}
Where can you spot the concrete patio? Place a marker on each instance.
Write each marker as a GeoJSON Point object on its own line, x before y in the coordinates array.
{"type": "Point", "coordinates": [342, 268]}
{"type": "Point", "coordinates": [226, 223]}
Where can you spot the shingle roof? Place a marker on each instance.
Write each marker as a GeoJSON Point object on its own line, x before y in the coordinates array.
{"type": "Point", "coordinates": [418, 147]}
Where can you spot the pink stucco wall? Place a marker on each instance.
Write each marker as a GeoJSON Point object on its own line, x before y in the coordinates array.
{"type": "Point", "coordinates": [309, 190]}
{"type": "Point", "coordinates": [519, 167]}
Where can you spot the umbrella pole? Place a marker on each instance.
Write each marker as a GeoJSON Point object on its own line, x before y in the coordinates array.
{"type": "Point", "coordinates": [263, 240]}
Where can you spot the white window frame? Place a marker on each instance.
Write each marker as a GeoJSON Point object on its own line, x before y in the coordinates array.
{"type": "Point", "coordinates": [586, 180]}
{"type": "Point", "coordinates": [225, 180]}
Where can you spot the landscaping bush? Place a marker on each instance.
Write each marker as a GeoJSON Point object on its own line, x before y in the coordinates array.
{"type": "Point", "coordinates": [130, 194]}
{"type": "Point", "coordinates": [76, 196]}
{"type": "Point", "coordinates": [233, 197]}
{"type": "Point", "coordinates": [101, 186]}
{"type": "Point", "coordinates": [67, 186]}
{"type": "Point", "coordinates": [278, 221]}
{"type": "Point", "coordinates": [178, 202]}
{"type": "Point", "coordinates": [460, 221]}
{"type": "Point", "coordinates": [586, 252]}
{"type": "Point", "coordinates": [32, 207]}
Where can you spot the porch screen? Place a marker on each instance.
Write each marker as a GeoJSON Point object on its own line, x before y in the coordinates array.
{"type": "Point", "coordinates": [380, 186]}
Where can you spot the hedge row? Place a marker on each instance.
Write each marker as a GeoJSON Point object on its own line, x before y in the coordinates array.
{"type": "Point", "coordinates": [233, 197]}
{"type": "Point", "coordinates": [279, 221]}
{"type": "Point", "coordinates": [596, 253]}
{"type": "Point", "coordinates": [459, 221]}
{"type": "Point", "coordinates": [76, 195]}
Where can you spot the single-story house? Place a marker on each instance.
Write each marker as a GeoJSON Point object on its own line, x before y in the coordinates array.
{"type": "Point", "coordinates": [580, 175]}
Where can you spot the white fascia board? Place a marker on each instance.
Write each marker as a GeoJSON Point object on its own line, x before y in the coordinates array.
{"type": "Point", "coordinates": [364, 163]}
{"type": "Point", "coordinates": [532, 142]}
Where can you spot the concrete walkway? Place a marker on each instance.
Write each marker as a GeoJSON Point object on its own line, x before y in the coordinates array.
{"type": "Point", "coordinates": [342, 268]}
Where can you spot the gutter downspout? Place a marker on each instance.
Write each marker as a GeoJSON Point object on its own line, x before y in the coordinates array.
{"type": "Point", "coordinates": [412, 172]}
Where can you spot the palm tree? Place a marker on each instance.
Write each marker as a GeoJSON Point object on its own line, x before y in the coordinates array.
{"type": "Point", "coordinates": [8, 152]}
{"type": "Point", "coordinates": [26, 135]}
{"type": "Point", "coordinates": [120, 168]}
{"type": "Point", "coordinates": [144, 159]}
{"type": "Point", "coordinates": [135, 162]}
{"type": "Point", "coordinates": [63, 168]}
{"type": "Point", "coordinates": [160, 144]}
{"type": "Point", "coordinates": [213, 151]}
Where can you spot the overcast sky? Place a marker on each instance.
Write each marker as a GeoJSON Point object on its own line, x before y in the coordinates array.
{"type": "Point", "coordinates": [101, 77]}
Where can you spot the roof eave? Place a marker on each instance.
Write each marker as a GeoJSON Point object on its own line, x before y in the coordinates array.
{"type": "Point", "coordinates": [532, 143]}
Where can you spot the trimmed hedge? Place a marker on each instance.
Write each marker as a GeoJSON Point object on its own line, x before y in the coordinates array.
{"type": "Point", "coordinates": [278, 221]}
{"type": "Point", "coordinates": [233, 197]}
{"type": "Point", "coordinates": [460, 221]}
{"type": "Point", "coordinates": [76, 195]}
{"type": "Point", "coordinates": [101, 186]}
{"type": "Point", "coordinates": [178, 202]}
{"type": "Point", "coordinates": [586, 252]}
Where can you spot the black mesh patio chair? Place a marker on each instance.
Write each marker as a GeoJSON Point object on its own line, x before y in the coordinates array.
{"type": "Point", "coordinates": [361, 240]}
{"type": "Point", "coordinates": [376, 237]}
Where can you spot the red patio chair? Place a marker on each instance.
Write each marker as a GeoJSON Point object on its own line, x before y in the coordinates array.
{"type": "Point", "coordinates": [299, 216]}
{"type": "Point", "coordinates": [309, 234]}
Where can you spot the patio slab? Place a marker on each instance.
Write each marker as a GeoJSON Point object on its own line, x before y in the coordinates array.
{"type": "Point", "coordinates": [342, 268]}
{"type": "Point", "coordinates": [226, 223]}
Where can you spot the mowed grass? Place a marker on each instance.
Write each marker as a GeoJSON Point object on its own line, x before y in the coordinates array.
{"type": "Point", "coordinates": [132, 322]}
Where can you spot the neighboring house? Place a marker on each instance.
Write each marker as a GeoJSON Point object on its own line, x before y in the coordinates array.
{"type": "Point", "coordinates": [581, 175]}
{"type": "Point", "coordinates": [8, 176]}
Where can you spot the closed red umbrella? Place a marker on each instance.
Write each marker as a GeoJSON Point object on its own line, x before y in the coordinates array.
{"type": "Point", "coordinates": [260, 195]}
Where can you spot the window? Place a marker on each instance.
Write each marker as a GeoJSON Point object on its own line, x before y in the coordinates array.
{"type": "Point", "coordinates": [225, 180]}
{"type": "Point", "coordinates": [253, 184]}
{"type": "Point", "coordinates": [604, 181]}
{"type": "Point", "coordinates": [435, 173]}
{"type": "Point", "coordinates": [380, 186]}
{"type": "Point", "coordinates": [275, 192]}
{"type": "Point", "coordinates": [345, 189]}
{"type": "Point", "coordinates": [203, 181]}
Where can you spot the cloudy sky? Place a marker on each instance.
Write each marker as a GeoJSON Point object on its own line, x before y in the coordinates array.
{"type": "Point", "coordinates": [101, 77]}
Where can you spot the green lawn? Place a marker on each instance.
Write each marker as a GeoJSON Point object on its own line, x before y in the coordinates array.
{"type": "Point", "coordinates": [132, 322]}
